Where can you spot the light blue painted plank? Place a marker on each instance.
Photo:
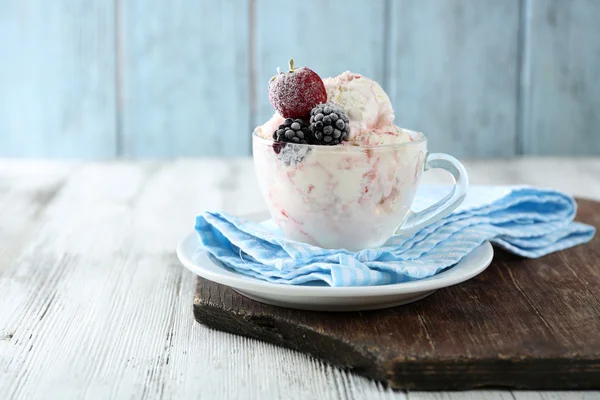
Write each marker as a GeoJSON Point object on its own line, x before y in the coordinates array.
{"type": "Point", "coordinates": [563, 96]}
{"type": "Point", "coordinates": [57, 95]}
{"type": "Point", "coordinates": [185, 77]}
{"type": "Point", "coordinates": [453, 73]}
{"type": "Point", "coordinates": [328, 36]}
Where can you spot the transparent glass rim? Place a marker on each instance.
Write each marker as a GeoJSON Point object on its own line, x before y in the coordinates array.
{"type": "Point", "coordinates": [421, 138]}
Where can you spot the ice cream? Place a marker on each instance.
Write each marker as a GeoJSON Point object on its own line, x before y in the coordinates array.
{"type": "Point", "coordinates": [367, 106]}
{"type": "Point", "coordinates": [266, 130]}
{"type": "Point", "coordinates": [354, 183]}
{"type": "Point", "coordinates": [339, 196]}
{"type": "Point", "coordinates": [390, 134]}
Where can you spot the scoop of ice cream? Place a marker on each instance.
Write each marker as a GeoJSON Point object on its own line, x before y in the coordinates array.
{"type": "Point", "coordinates": [365, 103]}
{"type": "Point", "coordinates": [367, 106]}
{"type": "Point", "coordinates": [266, 130]}
{"type": "Point", "coordinates": [390, 134]}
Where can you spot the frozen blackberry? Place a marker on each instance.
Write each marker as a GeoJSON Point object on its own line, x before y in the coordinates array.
{"type": "Point", "coordinates": [293, 131]}
{"type": "Point", "coordinates": [328, 124]}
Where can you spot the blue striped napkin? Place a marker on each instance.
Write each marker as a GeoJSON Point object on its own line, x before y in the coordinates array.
{"type": "Point", "coordinates": [526, 221]}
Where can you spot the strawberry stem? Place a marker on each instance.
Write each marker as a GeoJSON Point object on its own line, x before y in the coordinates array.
{"type": "Point", "coordinates": [291, 65]}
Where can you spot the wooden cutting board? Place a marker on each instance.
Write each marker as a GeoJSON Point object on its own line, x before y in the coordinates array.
{"type": "Point", "coordinates": [522, 323]}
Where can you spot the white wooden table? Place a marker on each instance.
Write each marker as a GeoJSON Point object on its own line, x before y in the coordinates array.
{"type": "Point", "coordinates": [94, 303]}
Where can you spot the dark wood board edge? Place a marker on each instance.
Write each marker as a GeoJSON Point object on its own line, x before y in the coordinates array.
{"type": "Point", "coordinates": [572, 373]}
{"type": "Point", "coordinates": [536, 374]}
{"type": "Point", "coordinates": [296, 337]}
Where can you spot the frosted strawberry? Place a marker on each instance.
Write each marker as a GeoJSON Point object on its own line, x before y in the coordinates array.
{"type": "Point", "coordinates": [296, 92]}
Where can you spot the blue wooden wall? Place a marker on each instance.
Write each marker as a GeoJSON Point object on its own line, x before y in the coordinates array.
{"type": "Point", "coordinates": [154, 78]}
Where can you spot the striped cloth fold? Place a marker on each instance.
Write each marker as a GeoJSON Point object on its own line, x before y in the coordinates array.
{"type": "Point", "coordinates": [526, 221]}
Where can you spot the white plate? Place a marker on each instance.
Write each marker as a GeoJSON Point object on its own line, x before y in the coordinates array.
{"type": "Point", "coordinates": [326, 298]}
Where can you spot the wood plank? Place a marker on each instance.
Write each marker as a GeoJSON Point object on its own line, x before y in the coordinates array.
{"type": "Point", "coordinates": [185, 73]}
{"type": "Point", "coordinates": [328, 36]}
{"type": "Point", "coordinates": [26, 190]}
{"type": "Point", "coordinates": [471, 395]}
{"type": "Point", "coordinates": [556, 395]}
{"type": "Point", "coordinates": [57, 79]}
{"type": "Point", "coordinates": [562, 85]}
{"type": "Point", "coordinates": [511, 326]}
{"type": "Point", "coordinates": [453, 73]}
{"type": "Point", "coordinates": [97, 304]}
{"type": "Point", "coordinates": [135, 336]}
{"type": "Point", "coordinates": [579, 177]}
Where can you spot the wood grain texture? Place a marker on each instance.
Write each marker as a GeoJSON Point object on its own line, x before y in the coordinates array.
{"type": "Point", "coordinates": [563, 83]}
{"type": "Point", "coordinates": [94, 304]}
{"type": "Point", "coordinates": [57, 79]}
{"type": "Point", "coordinates": [522, 323]}
{"type": "Point", "coordinates": [145, 79]}
{"type": "Point", "coordinates": [328, 36]}
{"type": "Point", "coordinates": [453, 73]}
{"type": "Point", "coordinates": [26, 189]}
{"type": "Point", "coordinates": [514, 395]}
{"type": "Point", "coordinates": [185, 74]}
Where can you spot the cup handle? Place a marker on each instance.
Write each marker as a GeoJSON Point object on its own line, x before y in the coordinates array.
{"type": "Point", "coordinates": [418, 220]}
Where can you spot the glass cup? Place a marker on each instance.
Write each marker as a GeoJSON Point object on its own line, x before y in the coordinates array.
{"type": "Point", "coordinates": [351, 197]}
